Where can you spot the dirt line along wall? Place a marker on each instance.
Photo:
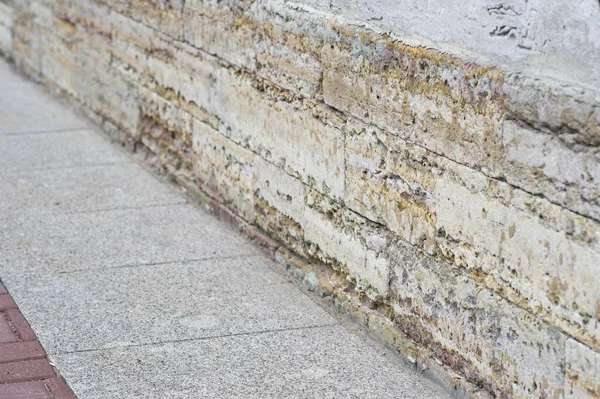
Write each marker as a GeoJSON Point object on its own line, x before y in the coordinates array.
{"type": "Point", "coordinates": [440, 165]}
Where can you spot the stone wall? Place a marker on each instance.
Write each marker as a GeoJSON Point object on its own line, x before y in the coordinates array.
{"type": "Point", "coordinates": [443, 189]}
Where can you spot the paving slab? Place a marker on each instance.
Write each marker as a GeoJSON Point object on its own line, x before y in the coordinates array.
{"type": "Point", "coordinates": [53, 243]}
{"type": "Point", "coordinates": [9, 80]}
{"type": "Point", "coordinates": [7, 76]}
{"type": "Point", "coordinates": [26, 108]}
{"type": "Point", "coordinates": [82, 189]}
{"type": "Point", "coordinates": [161, 303]}
{"type": "Point", "coordinates": [56, 150]}
{"type": "Point", "coordinates": [324, 362]}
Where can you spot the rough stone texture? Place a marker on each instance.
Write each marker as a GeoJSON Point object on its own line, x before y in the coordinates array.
{"type": "Point", "coordinates": [476, 331]}
{"type": "Point", "coordinates": [437, 170]}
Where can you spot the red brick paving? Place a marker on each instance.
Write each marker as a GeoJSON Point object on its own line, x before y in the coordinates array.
{"type": "Point", "coordinates": [25, 372]}
{"type": "Point", "coordinates": [20, 325]}
{"type": "Point", "coordinates": [6, 302]}
{"type": "Point", "coordinates": [16, 351]}
{"type": "Point", "coordinates": [51, 388]}
{"type": "Point", "coordinates": [22, 390]}
{"type": "Point", "coordinates": [6, 332]}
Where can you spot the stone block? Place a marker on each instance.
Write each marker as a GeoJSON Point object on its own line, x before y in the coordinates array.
{"type": "Point", "coordinates": [164, 16]}
{"type": "Point", "coordinates": [347, 241]}
{"type": "Point", "coordinates": [540, 268]}
{"type": "Point", "coordinates": [301, 137]}
{"type": "Point", "coordinates": [571, 111]}
{"type": "Point", "coordinates": [281, 191]}
{"type": "Point", "coordinates": [473, 330]}
{"type": "Point", "coordinates": [225, 167]}
{"type": "Point", "coordinates": [77, 22]}
{"type": "Point", "coordinates": [279, 201]}
{"type": "Point", "coordinates": [284, 33]}
{"type": "Point", "coordinates": [166, 130]}
{"type": "Point", "coordinates": [449, 107]}
{"type": "Point", "coordinates": [6, 25]}
{"type": "Point", "coordinates": [264, 40]}
{"type": "Point", "coordinates": [26, 44]}
{"type": "Point", "coordinates": [223, 30]}
{"type": "Point", "coordinates": [544, 164]}
{"type": "Point", "coordinates": [392, 182]}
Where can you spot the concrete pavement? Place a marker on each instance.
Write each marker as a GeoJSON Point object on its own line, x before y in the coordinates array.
{"type": "Point", "coordinates": [136, 293]}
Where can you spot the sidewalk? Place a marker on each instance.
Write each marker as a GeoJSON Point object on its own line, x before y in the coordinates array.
{"type": "Point", "coordinates": [135, 293]}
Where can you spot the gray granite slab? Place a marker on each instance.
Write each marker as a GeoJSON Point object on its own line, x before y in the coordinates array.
{"type": "Point", "coordinates": [82, 189]}
{"type": "Point", "coordinates": [56, 150]}
{"type": "Point", "coordinates": [55, 243]}
{"type": "Point", "coordinates": [27, 108]}
{"type": "Point", "coordinates": [324, 362]}
{"type": "Point", "coordinates": [159, 303]}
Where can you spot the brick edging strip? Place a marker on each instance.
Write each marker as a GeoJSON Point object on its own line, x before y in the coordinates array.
{"type": "Point", "coordinates": [25, 372]}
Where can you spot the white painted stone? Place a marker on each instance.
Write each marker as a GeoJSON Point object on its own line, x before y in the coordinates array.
{"type": "Point", "coordinates": [561, 37]}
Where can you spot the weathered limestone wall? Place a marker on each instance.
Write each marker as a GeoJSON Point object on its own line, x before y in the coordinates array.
{"type": "Point", "coordinates": [446, 194]}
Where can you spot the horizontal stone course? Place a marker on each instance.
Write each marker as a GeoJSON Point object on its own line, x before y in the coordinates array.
{"type": "Point", "coordinates": [411, 93]}
{"type": "Point", "coordinates": [347, 240]}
